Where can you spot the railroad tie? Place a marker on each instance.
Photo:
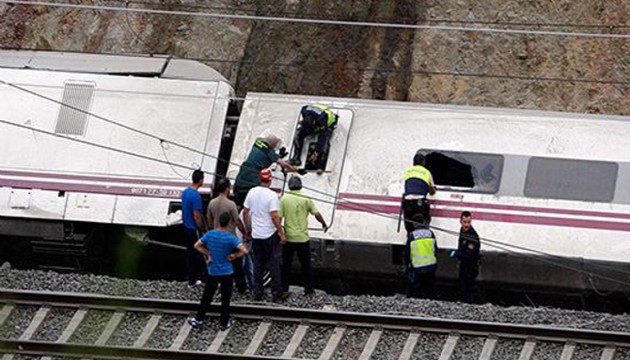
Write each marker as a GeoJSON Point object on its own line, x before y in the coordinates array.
{"type": "Point", "coordinates": [74, 323]}
{"type": "Point", "coordinates": [148, 330]}
{"type": "Point", "coordinates": [449, 346]}
{"type": "Point", "coordinates": [370, 345]}
{"type": "Point", "coordinates": [567, 351]}
{"type": "Point", "coordinates": [410, 345]}
{"type": "Point", "coordinates": [5, 312]}
{"type": "Point", "coordinates": [295, 341]}
{"type": "Point", "coordinates": [184, 330]}
{"type": "Point", "coordinates": [333, 342]}
{"type": "Point", "coordinates": [258, 338]}
{"type": "Point", "coordinates": [528, 349]}
{"type": "Point", "coordinates": [608, 353]}
{"type": "Point", "coordinates": [488, 348]}
{"type": "Point", "coordinates": [218, 340]}
{"type": "Point", "coordinates": [32, 327]}
{"type": "Point", "coordinates": [111, 326]}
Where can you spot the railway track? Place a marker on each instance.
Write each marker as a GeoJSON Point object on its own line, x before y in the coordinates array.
{"type": "Point", "coordinates": [95, 327]}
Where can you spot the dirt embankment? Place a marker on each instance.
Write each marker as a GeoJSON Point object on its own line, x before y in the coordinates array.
{"type": "Point", "coordinates": [505, 70]}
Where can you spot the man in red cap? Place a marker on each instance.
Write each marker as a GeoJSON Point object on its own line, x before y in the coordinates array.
{"type": "Point", "coordinates": [262, 221]}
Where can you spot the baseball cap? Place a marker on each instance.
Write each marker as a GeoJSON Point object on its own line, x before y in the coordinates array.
{"type": "Point", "coordinates": [265, 175]}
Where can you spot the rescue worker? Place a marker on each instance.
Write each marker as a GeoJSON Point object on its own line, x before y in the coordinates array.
{"type": "Point", "coordinates": [316, 119]}
{"type": "Point", "coordinates": [421, 257]}
{"type": "Point", "coordinates": [468, 256]}
{"type": "Point", "coordinates": [262, 155]}
{"type": "Point", "coordinates": [418, 183]}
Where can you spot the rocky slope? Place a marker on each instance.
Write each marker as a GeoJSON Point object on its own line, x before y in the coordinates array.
{"type": "Point", "coordinates": [499, 70]}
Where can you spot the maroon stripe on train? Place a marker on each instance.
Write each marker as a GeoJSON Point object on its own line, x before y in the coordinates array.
{"type": "Point", "coordinates": [114, 179]}
{"type": "Point", "coordinates": [96, 189]}
{"type": "Point", "coordinates": [474, 205]}
{"type": "Point", "coordinates": [488, 216]}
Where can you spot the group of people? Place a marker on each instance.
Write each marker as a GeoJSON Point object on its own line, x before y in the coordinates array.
{"type": "Point", "coordinates": [220, 244]}
{"type": "Point", "coordinates": [224, 251]}
{"type": "Point", "coordinates": [421, 247]}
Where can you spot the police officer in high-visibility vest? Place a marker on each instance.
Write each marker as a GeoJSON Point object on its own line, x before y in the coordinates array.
{"type": "Point", "coordinates": [421, 252]}
{"type": "Point", "coordinates": [418, 183]}
{"type": "Point", "coordinates": [316, 119]}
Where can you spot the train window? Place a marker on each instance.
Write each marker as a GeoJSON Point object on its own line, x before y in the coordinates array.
{"type": "Point", "coordinates": [72, 119]}
{"type": "Point", "coordinates": [465, 171]}
{"type": "Point", "coordinates": [567, 179]}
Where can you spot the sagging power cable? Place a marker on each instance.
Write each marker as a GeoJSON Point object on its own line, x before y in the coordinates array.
{"type": "Point", "coordinates": [295, 20]}
{"type": "Point", "coordinates": [490, 242]}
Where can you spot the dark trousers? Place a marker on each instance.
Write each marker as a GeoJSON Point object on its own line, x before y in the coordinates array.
{"type": "Point", "coordinates": [421, 284]}
{"type": "Point", "coordinates": [195, 264]}
{"type": "Point", "coordinates": [208, 295]}
{"type": "Point", "coordinates": [467, 277]}
{"type": "Point", "coordinates": [413, 207]}
{"type": "Point", "coordinates": [239, 275]}
{"type": "Point", "coordinates": [267, 256]}
{"type": "Point", "coordinates": [303, 251]}
{"type": "Point", "coordinates": [323, 138]}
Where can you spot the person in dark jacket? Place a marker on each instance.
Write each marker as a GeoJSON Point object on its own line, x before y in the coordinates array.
{"type": "Point", "coordinates": [468, 256]}
{"type": "Point", "coordinates": [421, 259]}
{"type": "Point", "coordinates": [317, 120]}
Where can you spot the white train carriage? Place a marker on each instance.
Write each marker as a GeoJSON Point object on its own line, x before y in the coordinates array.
{"type": "Point", "coordinates": [53, 180]}
{"type": "Point", "coordinates": [539, 182]}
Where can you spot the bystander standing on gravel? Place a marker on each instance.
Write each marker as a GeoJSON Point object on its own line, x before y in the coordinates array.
{"type": "Point", "coordinates": [295, 208]}
{"type": "Point", "coordinates": [192, 210]}
{"type": "Point", "coordinates": [222, 204]}
{"type": "Point", "coordinates": [225, 248]}
{"type": "Point", "coordinates": [262, 206]}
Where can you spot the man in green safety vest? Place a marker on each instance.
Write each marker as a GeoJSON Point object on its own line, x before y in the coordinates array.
{"type": "Point", "coordinates": [421, 252]}
{"type": "Point", "coordinates": [316, 119]}
{"type": "Point", "coordinates": [262, 155]}
{"type": "Point", "coordinates": [418, 183]}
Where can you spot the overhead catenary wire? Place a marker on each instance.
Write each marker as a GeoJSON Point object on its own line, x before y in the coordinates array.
{"type": "Point", "coordinates": [368, 208]}
{"type": "Point", "coordinates": [294, 20]}
{"type": "Point", "coordinates": [490, 242]}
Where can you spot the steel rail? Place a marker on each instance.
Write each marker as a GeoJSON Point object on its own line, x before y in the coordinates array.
{"type": "Point", "coordinates": [370, 320]}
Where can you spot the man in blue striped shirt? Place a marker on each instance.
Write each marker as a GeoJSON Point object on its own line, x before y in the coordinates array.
{"type": "Point", "coordinates": [224, 247]}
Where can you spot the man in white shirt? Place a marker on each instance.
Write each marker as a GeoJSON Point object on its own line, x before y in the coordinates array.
{"type": "Point", "coordinates": [261, 210]}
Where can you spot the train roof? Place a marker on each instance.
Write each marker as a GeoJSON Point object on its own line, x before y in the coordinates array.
{"type": "Point", "coordinates": [161, 66]}
{"type": "Point", "coordinates": [406, 106]}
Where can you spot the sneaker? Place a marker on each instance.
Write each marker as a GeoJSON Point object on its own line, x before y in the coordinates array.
{"type": "Point", "coordinates": [229, 324]}
{"type": "Point", "coordinates": [196, 324]}
{"type": "Point", "coordinates": [197, 283]}
{"type": "Point", "coordinates": [281, 297]}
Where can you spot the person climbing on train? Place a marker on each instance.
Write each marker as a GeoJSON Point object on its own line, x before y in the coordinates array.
{"type": "Point", "coordinates": [262, 156]}
{"type": "Point", "coordinates": [420, 252]}
{"type": "Point", "coordinates": [468, 256]}
{"type": "Point", "coordinates": [317, 119]}
{"type": "Point", "coordinates": [418, 183]}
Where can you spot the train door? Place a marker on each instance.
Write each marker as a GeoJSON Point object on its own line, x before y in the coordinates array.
{"type": "Point", "coordinates": [323, 187]}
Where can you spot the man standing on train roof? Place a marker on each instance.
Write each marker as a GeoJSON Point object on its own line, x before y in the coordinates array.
{"type": "Point", "coordinates": [225, 248]}
{"type": "Point", "coordinates": [420, 252]}
{"type": "Point", "coordinates": [262, 155]}
{"type": "Point", "coordinates": [295, 207]}
{"type": "Point", "coordinates": [316, 119]}
{"type": "Point", "coordinates": [192, 210]}
{"type": "Point", "coordinates": [418, 183]}
{"type": "Point", "coordinates": [468, 256]}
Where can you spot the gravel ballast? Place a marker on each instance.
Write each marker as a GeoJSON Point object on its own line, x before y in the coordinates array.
{"type": "Point", "coordinates": [391, 343]}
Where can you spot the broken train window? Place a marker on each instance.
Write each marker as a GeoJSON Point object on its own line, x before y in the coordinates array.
{"type": "Point", "coordinates": [465, 171]}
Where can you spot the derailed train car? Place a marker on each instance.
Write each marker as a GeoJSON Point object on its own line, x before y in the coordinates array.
{"type": "Point", "coordinates": [546, 189]}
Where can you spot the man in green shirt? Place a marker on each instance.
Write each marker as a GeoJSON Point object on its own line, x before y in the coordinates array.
{"type": "Point", "coordinates": [295, 208]}
{"type": "Point", "coordinates": [262, 155]}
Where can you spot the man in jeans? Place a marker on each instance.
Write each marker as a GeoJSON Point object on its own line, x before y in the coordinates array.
{"type": "Point", "coordinates": [222, 204]}
{"type": "Point", "coordinates": [295, 208]}
{"type": "Point", "coordinates": [261, 209]}
{"type": "Point", "coordinates": [225, 248]}
{"type": "Point", "coordinates": [193, 220]}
